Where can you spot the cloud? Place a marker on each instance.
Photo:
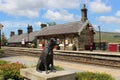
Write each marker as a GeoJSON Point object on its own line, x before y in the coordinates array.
{"type": "Point", "coordinates": [99, 7]}
{"type": "Point", "coordinates": [117, 13]}
{"type": "Point", "coordinates": [20, 8]}
{"type": "Point", "coordinates": [31, 8]}
{"type": "Point", "coordinates": [109, 19]}
{"type": "Point", "coordinates": [38, 23]}
{"type": "Point", "coordinates": [13, 26]}
{"type": "Point", "coordinates": [62, 4]}
{"type": "Point", "coordinates": [117, 30]}
{"type": "Point", "coordinates": [63, 15]}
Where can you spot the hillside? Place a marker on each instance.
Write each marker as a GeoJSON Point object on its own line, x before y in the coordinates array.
{"type": "Point", "coordinates": [107, 37]}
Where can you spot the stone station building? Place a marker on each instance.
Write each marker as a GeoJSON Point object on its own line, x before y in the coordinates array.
{"type": "Point", "coordinates": [22, 39]}
{"type": "Point", "coordinates": [78, 33]}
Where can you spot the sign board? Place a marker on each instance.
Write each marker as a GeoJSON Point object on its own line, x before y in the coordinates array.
{"type": "Point", "coordinates": [23, 41]}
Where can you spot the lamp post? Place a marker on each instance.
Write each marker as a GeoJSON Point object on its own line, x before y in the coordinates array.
{"type": "Point", "coordinates": [99, 38]}
{"type": "Point", "coordinates": [28, 38]}
{"type": "Point", "coordinates": [91, 38]}
{"type": "Point", "coordinates": [28, 31]}
{"type": "Point", "coordinates": [0, 34]}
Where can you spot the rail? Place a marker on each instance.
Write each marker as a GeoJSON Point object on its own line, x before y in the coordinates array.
{"type": "Point", "coordinates": [99, 58]}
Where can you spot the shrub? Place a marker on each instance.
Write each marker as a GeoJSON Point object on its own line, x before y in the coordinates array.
{"type": "Point", "coordinates": [3, 62]}
{"type": "Point", "coordinates": [11, 71]}
{"type": "Point", "coordinates": [93, 76]}
{"type": "Point", "coordinates": [74, 48]}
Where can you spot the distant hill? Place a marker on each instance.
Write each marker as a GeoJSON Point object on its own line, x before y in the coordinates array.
{"type": "Point", "coordinates": [112, 37]}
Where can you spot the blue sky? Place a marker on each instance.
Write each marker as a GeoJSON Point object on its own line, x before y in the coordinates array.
{"type": "Point", "coordinates": [15, 14]}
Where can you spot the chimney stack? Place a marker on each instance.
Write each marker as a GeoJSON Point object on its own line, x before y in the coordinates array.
{"type": "Point", "coordinates": [12, 33]}
{"type": "Point", "coordinates": [20, 31]}
{"type": "Point", "coordinates": [29, 29]}
{"type": "Point", "coordinates": [84, 13]}
{"type": "Point", "coordinates": [43, 25]}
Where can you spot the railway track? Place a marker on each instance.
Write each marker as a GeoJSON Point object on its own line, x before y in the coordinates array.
{"type": "Point", "coordinates": [99, 58]}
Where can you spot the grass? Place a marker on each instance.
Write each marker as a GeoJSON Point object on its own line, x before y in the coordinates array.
{"type": "Point", "coordinates": [11, 71]}
{"type": "Point", "coordinates": [93, 76]}
{"type": "Point", "coordinates": [1, 52]}
{"type": "Point", "coordinates": [108, 37]}
{"type": "Point", "coordinates": [2, 62]}
{"type": "Point", "coordinates": [56, 67]}
{"type": "Point", "coordinates": [59, 68]}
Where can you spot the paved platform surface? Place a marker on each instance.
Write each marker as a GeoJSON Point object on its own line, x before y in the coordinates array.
{"type": "Point", "coordinates": [77, 67]}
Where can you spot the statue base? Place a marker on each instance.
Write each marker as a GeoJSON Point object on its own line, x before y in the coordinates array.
{"type": "Point", "coordinates": [32, 74]}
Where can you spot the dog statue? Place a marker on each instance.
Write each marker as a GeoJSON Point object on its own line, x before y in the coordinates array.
{"type": "Point", "coordinates": [45, 61]}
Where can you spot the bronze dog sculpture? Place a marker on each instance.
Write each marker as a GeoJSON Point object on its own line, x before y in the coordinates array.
{"type": "Point", "coordinates": [45, 61]}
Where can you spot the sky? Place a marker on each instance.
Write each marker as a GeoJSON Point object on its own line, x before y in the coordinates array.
{"type": "Point", "coordinates": [17, 14]}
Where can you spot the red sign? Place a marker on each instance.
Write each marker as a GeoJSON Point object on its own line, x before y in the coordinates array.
{"type": "Point", "coordinates": [113, 47]}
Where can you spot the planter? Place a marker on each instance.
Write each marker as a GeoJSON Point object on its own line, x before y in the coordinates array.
{"type": "Point", "coordinates": [74, 48]}
{"type": "Point", "coordinates": [58, 47]}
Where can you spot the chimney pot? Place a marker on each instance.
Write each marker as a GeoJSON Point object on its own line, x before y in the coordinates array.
{"type": "Point", "coordinates": [29, 29]}
{"type": "Point", "coordinates": [20, 31]}
{"type": "Point", "coordinates": [43, 25]}
{"type": "Point", "coordinates": [12, 33]}
{"type": "Point", "coordinates": [84, 13]}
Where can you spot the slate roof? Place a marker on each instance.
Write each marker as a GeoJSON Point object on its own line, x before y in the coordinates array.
{"type": "Point", "coordinates": [18, 38]}
{"type": "Point", "coordinates": [72, 27]}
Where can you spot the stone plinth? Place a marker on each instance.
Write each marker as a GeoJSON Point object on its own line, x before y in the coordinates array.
{"type": "Point", "coordinates": [32, 74]}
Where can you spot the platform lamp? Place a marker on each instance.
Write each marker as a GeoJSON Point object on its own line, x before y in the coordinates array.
{"type": "Point", "coordinates": [91, 38]}
{"type": "Point", "coordinates": [99, 37]}
{"type": "Point", "coordinates": [0, 34]}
